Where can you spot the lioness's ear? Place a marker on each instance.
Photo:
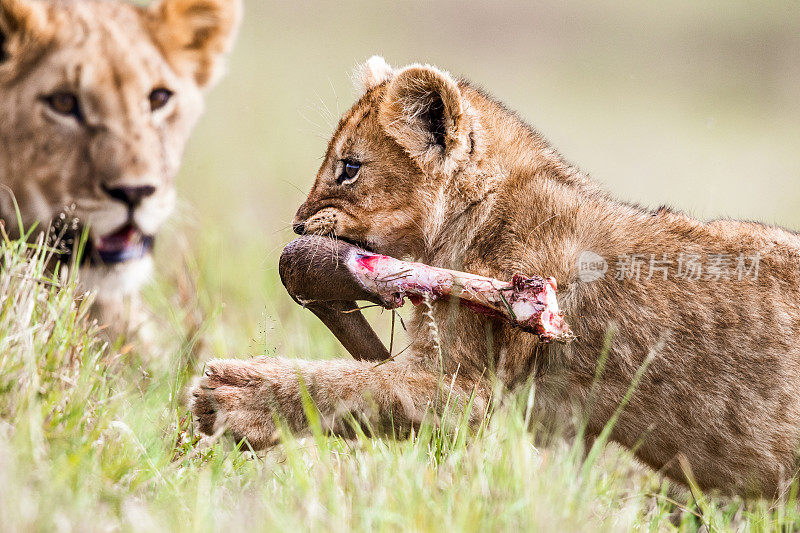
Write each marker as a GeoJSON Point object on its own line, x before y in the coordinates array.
{"type": "Point", "coordinates": [423, 110]}
{"type": "Point", "coordinates": [195, 35]}
{"type": "Point", "coordinates": [373, 72]}
{"type": "Point", "coordinates": [20, 22]}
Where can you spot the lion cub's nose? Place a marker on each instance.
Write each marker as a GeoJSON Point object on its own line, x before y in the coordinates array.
{"type": "Point", "coordinates": [299, 227]}
{"type": "Point", "coordinates": [132, 196]}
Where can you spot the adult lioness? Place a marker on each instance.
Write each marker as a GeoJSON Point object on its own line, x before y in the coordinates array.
{"type": "Point", "coordinates": [427, 166]}
{"type": "Point", "coordinates": [97, 100]}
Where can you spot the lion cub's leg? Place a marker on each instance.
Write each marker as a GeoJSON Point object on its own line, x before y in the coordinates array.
{"type": "Point", "coordinates": [243, 397]}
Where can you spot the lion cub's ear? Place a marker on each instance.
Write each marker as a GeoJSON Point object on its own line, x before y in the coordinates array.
{"type": "Point", "coordinates": [424, 111]}
{"type": "Point", "coordinates": [372, 73]}
{"type": "Point", "coordinates": [21, 23]}
{"type": "Point", "coordinates": [195, 35]}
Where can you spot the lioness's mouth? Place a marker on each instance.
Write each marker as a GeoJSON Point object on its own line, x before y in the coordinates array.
{"type": "Point", "coordinates": [125, 244]}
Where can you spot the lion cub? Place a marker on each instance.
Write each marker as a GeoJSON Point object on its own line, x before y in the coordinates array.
{"type": "Point", "coordinates": [425, 166]}
{"type": "Point", "coordinates": [97, 100]}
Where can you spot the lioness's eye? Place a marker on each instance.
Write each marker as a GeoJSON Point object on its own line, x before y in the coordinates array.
{"type": "Point", "coordinates": [350, 171]}
{"type": "Point", "coordinates": [159, 98]}
{"type": "Point", "coordinates": [64, 103]}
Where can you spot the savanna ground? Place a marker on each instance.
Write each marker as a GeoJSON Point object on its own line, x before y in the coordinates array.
{"type": "Point", "coordinates": [687, 104]}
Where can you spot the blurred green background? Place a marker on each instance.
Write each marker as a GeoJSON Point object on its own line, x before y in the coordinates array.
{"type": "Point", "coordinates": [692, 104]}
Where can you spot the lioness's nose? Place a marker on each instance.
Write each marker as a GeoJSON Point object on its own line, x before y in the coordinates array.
{"type": "Point", "coordinates": [131, 195]}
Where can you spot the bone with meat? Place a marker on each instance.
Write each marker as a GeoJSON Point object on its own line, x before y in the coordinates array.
{"type": "Point", "coordinates": [327, 277]}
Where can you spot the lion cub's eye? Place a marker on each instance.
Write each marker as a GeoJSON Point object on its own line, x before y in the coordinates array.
{"type": "Point", "coordinates": [159, 98]}
{"type": "Point", "coordinates": [64, 103]}
{"type": "Point", "coordinates": [349, 171]}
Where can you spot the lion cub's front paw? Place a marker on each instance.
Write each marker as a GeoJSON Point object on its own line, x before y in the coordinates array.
{"type": "Point", "coordinates": [237, 397]}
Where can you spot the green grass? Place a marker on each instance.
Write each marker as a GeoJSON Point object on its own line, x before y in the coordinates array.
{"type": "Point", "coordinates": [92, 438]}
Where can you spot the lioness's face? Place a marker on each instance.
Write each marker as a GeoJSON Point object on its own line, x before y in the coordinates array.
{"type": "Point", "coordinates": [385, 180]}
{"type": "Point", "coordinates": [97, 100]}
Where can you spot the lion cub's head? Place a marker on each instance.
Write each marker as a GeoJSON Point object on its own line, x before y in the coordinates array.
{"type": "Point", "coordinates": [401, 161]}
{"type": "Point", "coordinates": [97, 100]}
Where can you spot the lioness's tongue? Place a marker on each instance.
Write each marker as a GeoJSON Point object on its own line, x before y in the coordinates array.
{"type": "Point", "coordinates": [120, 240]}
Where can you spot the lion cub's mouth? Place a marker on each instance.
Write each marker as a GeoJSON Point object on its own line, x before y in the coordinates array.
{"type": "Point", "coordinates": [366, 245]}
{"type": "Point", "coordinates": [125, 244]}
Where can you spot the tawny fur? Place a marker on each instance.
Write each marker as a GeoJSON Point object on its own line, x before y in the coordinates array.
{"type": "Point", "coordinates": [111, 55]}
{"type": "Point", "coordinates": [452, 178]}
